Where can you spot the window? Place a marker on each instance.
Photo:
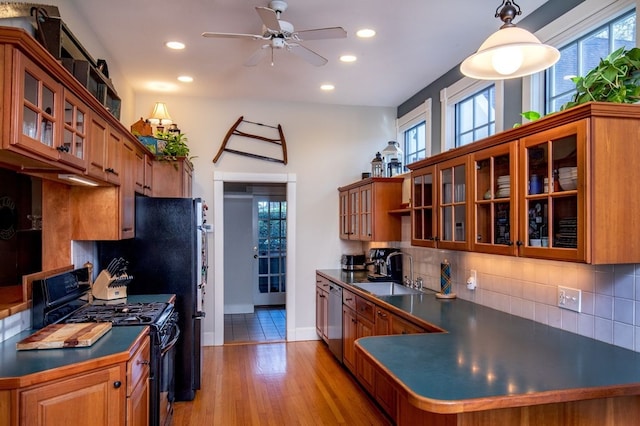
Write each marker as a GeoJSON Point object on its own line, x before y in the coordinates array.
{"type": "Point", "coordinates": [414, 130]}
{"type": "Point", "coordinates": [584, 53]}
{"type": "Point", "coordinates": [471, 110]}
{"type": "Point", "coordinates": [475, 116]}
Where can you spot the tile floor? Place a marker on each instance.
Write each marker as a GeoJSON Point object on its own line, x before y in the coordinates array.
{"type": "Point", "coordinates": [266, 324]}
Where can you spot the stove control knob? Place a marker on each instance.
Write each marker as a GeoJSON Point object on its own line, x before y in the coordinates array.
{"type": "Point", "coordinates": [117, 384]}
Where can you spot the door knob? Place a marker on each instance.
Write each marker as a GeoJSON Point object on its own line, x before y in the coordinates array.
{"type": "Point", "coordinates": [255, 256]}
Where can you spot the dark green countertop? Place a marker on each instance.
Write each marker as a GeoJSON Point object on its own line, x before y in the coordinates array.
{"type": "Point", "coordinates": [491, 358]}
{"type": "Point", "coordinates": [16, 366]}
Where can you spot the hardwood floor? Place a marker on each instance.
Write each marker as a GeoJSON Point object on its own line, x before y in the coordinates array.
{"type": "Point", "coordinates": [296, 383]}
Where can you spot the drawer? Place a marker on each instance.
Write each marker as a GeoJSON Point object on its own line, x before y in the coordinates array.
{"type": "Point", "coordinates": [322, 283]}
{"type": "Point", "coordinates": [349, 299]}
{"type": "Point", "coordinates": [402, 326]}
{"type": "Point", "coordinates": [364, 308]}
{"type": "Point", "coordinates": [138, 366]}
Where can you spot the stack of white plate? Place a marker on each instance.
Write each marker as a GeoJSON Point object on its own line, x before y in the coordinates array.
{"type": "Point", "coordinates": [568, 177]}
{"type": "Point", "coordinates": [504, 186]}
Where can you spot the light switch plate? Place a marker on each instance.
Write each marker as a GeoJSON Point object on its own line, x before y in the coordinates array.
{"type": "Point", "coordinates": [570, 298]}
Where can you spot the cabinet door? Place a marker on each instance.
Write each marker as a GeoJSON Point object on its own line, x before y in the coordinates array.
{"type": "Point", "coordinates": [114, 156]}
{"type": "Point", "coordinates": [349, 333]}
{"type": "Point", "coordinates": [37, 109]}
{"type": "Point", "coordinates": [127, 190]}
{"type": "Point", "coordinates": [343, 215]}
{"type": "Point", "coordinates": [138, 386]}
{"type": "Point", "coordinates": [553, 185]}
{"type": "Point", "coordinates": [494, 200]}
{"type": "Point", "coordinates": [423, 212]}
{"type": "Point", "coordinates": [148, 174]}
{"type": "Point", "coordinates": [354, 214]}
{"type": "Point", "coordinates": [139, 172]}
{"type": "Point", "coordinates": [453, 209]}
{"type": "Point", "coordinates": [73, 149]}
{"type": "Point", "coordinates": [382, 322]}
{"type": "Point", "coordinates": [364, 369]}
{"type": "Point", "coordinates": [95, 398]}
{"type": "Point", "coordinates": [322, 304]}
{"type": "Point", "coordinates": [97, 149]}
{"type": "Point", "coordinates": [366, 213]}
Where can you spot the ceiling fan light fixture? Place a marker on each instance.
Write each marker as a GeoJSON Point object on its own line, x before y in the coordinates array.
{"type": "Point", "coordinates": [510, 52]}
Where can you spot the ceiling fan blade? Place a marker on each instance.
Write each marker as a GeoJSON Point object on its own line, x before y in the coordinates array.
{"type": "Point", "coordinates": [257, 56]}
{"type": "Point", "coordinates": [269, 18]}
{"type": "Point", "coordinates": [321, 33]}
{"type": "Point", "coordinates": [307, 54]}
{"type": "Point", "coordinates": [231, 35]}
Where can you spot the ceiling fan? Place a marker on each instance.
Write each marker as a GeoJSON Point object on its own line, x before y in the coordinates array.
{"type": "Point", "coordinates": [278, 34]}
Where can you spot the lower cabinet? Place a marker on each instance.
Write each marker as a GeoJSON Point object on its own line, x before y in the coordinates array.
{"type": "Point", "coordinates": [322, 308]}
{"type": "Point", "coordinates": [95, 398]}
{"type": "Point", "coordinates": [112, 395]}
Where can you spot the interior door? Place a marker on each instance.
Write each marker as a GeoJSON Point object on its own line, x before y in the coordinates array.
{"type": "Point", "coordinates": [270, 250]}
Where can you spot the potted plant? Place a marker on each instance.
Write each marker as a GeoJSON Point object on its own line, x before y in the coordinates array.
{"type": "Point", "coordinates": [616, 78]}
{"type": "Point", "coordinates": [175, 146]}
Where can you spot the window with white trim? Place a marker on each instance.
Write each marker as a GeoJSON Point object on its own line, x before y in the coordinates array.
{"type": "Point", "coordinates": [414, 130]}
{"type": "Point", "coordinates": [583, 54]}
{"type": "Point", "coordinates": [471, 110]}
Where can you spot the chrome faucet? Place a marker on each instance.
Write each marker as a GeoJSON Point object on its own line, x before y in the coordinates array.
{"type": "Point", "coordinates": [397, 253]}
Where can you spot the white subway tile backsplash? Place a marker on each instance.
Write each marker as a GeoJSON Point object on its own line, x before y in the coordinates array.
{"type": "Point", "coordinates": [586, 325]}
{"type": "Point", "coordinates": [624, 286]}
{"type": "Point", "coordinates": [555, 317]}
{"type": "Point", "coordinates": [604, 330]}
{"type": "Point", "coordinates": [588, 303]}
{"type": "Point", "coordinates": [604, 306]}
{"type": "Point", "coordinates": [623, 335]}
{"type": "Point", "coordinates": [623, 310]}
{"type": "Point", "coordinates": [569, 320]}
{"type": "Point", "coordinates": [604, 282]}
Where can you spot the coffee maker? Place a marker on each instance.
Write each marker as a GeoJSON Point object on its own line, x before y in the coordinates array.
{"type": "Point", "coordinates": [380, 270]}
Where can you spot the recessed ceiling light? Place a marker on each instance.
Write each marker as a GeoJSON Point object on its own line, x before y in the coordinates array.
{"type": "Point", "coordinates": [327, 87]}
{"type": "Point", "coordinates": [348, 58]}
{"type": "Point", "coordinates": [185, 79]}
{"type": "Point", "coordinates": [176, 45]}
{"type": "Point", "coordinates": [365, 33]}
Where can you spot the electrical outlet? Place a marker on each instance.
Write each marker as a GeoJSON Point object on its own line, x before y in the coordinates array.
{"type": "Point", "coordinates": [570, 298]}
{"type": "Point", "coordinates": [472, 281]}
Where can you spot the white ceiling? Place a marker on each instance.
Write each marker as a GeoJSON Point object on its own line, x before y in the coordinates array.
{"type": "Point", "coordinates": [417, 41]}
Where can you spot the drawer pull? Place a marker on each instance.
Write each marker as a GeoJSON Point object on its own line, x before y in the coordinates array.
{"type": "Point", "coordinates": [117, 384]}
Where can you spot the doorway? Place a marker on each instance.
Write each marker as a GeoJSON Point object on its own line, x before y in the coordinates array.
{"type": "Point", "coordinates": [238, 277]}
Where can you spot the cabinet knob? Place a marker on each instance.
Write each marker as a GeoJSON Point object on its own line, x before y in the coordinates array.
{"type": "Point", "coordinates": [519, 243]}
{"type": "Point", "coordinates": [63, 148]}
{"type": "Point", "coordinates": [510, 243]}
{"type": "Point", "coordinates": [117, 384]}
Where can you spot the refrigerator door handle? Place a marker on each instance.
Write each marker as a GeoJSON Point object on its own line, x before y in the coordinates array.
{"type": "Point", "coordinates": [199, 314]}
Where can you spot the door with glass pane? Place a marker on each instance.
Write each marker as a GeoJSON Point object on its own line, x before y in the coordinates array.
{"type": "Point", "coordinates": [271, 250]}
{"type": "Point", "coordinates": [423, 217]}
{"type": "Point", "coordinates": [553, 187]}
{"type": "Point", "coordinates": [494, 206]}
{"type": "Point", "coordinates": [453, 214]}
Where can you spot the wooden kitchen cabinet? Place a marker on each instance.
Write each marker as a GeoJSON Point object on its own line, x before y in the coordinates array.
{"type": "Point", "coordinates": [73, 148]}
{"type": "Point", "coordinates": [173, 178]}
{"type": "Point", "coordinates": [588, 219]}
{"type": "Point", "coordinates": [322, 307]}
{"type": "Point", "coordinates": [423, 214]}
{"type": "Point", "coordinates": [364, 210]}
{"type": "Point", "coordinates": [95, 398]}
{"type": "Point", "coordinates": [144, 172]}
{"type": "Point", "coordinates": [36, 109]}
{"type": "Point", "coordinates": [105, 151]}
{"type": "Point", "coordinates": [349, 335]}
{"type": "Point", "coordinates": [113, 395]}
{"type": "Point", "coordinates": [494, 199]}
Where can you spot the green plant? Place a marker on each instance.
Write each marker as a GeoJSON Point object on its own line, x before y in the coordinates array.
{"type": "Point", "coordinates": [176, 146]}
{"type": "Point", "coordinates": [616, 78]}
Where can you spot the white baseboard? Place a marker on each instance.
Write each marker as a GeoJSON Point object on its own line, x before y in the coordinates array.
{"type": "Point", "coordinates": [239, 309]}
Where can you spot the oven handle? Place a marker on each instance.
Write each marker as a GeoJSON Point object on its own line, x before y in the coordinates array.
{"type": "Point", "coordinates": [172, 343]}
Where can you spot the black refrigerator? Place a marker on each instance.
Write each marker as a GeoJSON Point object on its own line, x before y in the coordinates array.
{"type": "Point", "coordinates": [169, 256]}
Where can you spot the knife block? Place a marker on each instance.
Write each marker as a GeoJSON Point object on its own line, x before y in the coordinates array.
{"type": "Point", "coordinates": [108, 287]}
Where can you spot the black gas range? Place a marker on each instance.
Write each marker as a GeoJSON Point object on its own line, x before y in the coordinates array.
{"type": "Point", "coordinates": [66, 298]}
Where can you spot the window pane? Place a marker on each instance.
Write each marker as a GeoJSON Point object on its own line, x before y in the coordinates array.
{"type": "Point", "coordinates": [624, 32]}
{"type": "Point", "coordinates": [414, 143]}
{"type": "Point", "coordinates": [475, 117]}
{"type": "Point", "coordinates": [465, 114]}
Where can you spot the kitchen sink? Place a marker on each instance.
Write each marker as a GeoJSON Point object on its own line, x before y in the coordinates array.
{"type": "Point", "coordinates": [386, 288]}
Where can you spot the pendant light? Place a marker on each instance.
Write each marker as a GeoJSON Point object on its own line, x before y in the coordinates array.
{"type": "Point", "coordinates": [510, 52]}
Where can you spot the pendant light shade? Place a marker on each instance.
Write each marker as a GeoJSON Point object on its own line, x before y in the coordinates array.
{"type": "Point", "coordinates": [510, 52]}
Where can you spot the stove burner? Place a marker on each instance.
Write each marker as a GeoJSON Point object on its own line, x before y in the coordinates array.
{"type": "Point", "coordinates": [120, 314]}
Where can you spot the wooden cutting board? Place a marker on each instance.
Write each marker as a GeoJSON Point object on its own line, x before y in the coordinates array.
{"type": "Point", "coordinates": [65, 336]}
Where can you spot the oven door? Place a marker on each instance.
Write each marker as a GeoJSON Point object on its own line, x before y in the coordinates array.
{"type": "Point", "coordinates": [166, 371]}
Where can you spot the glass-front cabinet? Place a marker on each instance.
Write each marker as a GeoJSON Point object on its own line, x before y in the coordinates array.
{"type": "Point", "coordinates": [423, 213]}
{"type": "Point", "coordinates": [553, 187]}
{"type": "Point", "coordinates": [74, 133]}
{"type": "Point", "coordinates": [37, 115]}
{"type": "Point", "coordinates": [453, 215]}
{"type": "Point", "coordinates": [494, 200]}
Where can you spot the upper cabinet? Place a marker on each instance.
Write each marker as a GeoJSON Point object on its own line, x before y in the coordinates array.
{"type": "Point", "coordinates": [552, 189]}
{"type": "Point", "coordinates": [172, 178]}
{"type": "Point", "coordinates": [364, 210]}
{"type": "Point", "coordinates": [105, 152]}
